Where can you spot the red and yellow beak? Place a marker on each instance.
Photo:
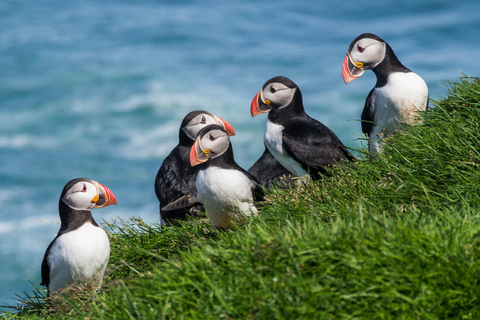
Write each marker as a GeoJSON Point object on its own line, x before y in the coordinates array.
{"type": "Point", "coordinates": [227, 126]}
{"type": "Point", "coordinates": [198, 155]}
{"type": "Point", "coordinates": [259, 104]}
{"type": "Point", "coordinates": [104, 197]}
{"type": "Point", "coordinates": [351, 70]}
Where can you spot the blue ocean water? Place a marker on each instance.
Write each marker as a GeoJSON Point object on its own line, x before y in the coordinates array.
{"type": "Point", "coordinates": [98, 89]}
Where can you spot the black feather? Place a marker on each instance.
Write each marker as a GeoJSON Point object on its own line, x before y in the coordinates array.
{"type": "Point", "coordinates": [367, 114]}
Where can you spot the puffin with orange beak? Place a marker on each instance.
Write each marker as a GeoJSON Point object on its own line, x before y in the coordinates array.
{"type": "Point", "coordinates": [226, 190]}
{"type": "Point", "coordinates": [303, 145]}
{"type": "Point", "coordinates": [79, 253]}
{"type": "Point", "coordinates": [176, 177]}
{"type": "Point", "coordinates": [397, 96]}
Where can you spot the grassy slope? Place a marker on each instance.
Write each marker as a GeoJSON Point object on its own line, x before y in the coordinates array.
{"type": "Point", "coordinates": [396, 237]}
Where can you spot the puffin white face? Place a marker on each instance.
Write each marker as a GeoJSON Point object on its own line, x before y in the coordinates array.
{"type": "Point", "coordinates": [197, 124]}
{"type": "Point", "coordinates": [209, 145]}
{"type": "Point", "coordinates": [81, 196]}
{"type": "Point", "coordinates": [86, 194]}
{"type": "Point", "coordinates": [274, 95]}
{"type": "Point", "coordinates": [368, 53]}
{"type": "Point", "coordinates": [364, 54]}
{"type": "Point", "coordinates": [277, 94]}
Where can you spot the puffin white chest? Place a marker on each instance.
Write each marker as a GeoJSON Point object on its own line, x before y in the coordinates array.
{"type": "Point", "coordinates": [395, 104]}
{"type": "Point", "coordinates": [399, 100]}
{"type": "Point", "coordinates": [226, 195]}
{"type": "Point", "coordinates": [79, 256]}
{"type": "Point", "coordinates": [273, 138]}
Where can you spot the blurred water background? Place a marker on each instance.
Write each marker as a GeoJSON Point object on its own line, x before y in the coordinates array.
{"type": "Point", "coordinates": [98, 89]}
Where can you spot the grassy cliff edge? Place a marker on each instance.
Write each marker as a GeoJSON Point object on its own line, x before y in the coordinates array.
{"type": "Point", "coordinates": [395, 237]}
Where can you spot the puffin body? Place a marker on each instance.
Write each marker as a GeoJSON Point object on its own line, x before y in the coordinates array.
{"type": "Point", "coordinates": [398, 94]}
{"type": "Point", "coordinates": [79, 253]}
{"type": "Point", "coordinates": [226, 190]}
{"type": "Point", "coordinates": [176, 177]}
{"type": "Point", "coordinates": [270, 172]}
{"type": "Point", "coordinates": [300, 143]}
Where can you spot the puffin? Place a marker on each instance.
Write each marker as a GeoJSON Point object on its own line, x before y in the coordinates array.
{"type": "Point", "coordinates": [79, 253]}
{"type": "Point", "coordinates": [270, 172]}
{"type": "Point", "coordinates": [227, 191]}
{"type": "Point", "coordinates": [176, 178]}
{"type": "Point", "coordinates": [301, 144]}
{"type": "Point", "coordinates": [397, 96]}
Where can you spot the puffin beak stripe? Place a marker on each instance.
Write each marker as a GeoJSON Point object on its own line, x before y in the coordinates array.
{"type": "Point", "coordinates": [105, 196]}
{"type": "Point", "coordinates": [351, 70]}
{"type": "Point", "coordinates": [197, 154]}
{"type": "Point", "coordinates": [261, 96]}
{"type": "Point", "coordinates": [227, 126]}
{"type": "Point", "coordinates": [259, 104]}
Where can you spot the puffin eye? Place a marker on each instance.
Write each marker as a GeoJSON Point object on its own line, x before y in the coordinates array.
{"type": "Point", "coordinates": [84, 189]}
{"type": "Point", "coordinates": [360, 48]}
{"type": "Point", "coordinates": [212, 138]}
{"type": "Point", "coordinates": [272, 89]}
{"type": "Point", "coordinates": [203, 119]}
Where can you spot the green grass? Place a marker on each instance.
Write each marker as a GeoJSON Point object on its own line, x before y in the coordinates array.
{"type": "Point", "coordinates": [396, 237]}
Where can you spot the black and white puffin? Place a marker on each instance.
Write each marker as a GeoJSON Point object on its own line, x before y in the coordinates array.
{"type": "Point", "coordinates": [270, 172]}
{"type": "Point", "coordinates": [226, 190]}
{"type": "Point", "coordinates": [300, 143]}
{"type": "Point", "coordinates": [398, 94]}
{"type": "Point", "coordinates": [176, 177]}
{"type": "Point", "coordinates": [79, 253]}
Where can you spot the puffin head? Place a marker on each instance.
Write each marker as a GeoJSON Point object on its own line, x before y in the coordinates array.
{"type": "Point", "coordinates": [86, 194]}
{"type": "Point", "coordinates": [212, 141]}
{"type": "Point", "coordinates": [276, 93]}
{"type": "Point", "coordinates": [364, 53]}
{"type": "Point", "coordinates": [196, 120]}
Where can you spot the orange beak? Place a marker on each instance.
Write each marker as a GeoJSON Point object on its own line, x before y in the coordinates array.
{"type": "Point", "coordinates": [227, 126]}
{"type": "Point", "coordinates": [349, 70]}
{"type": "Point", "coordinates": [259, 105]}
{"type": "Point", "coordinates": [105, 197]}
{"type": "Point", "coordinates": [198, 154]}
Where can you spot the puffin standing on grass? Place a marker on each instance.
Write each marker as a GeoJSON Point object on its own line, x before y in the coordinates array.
{"type": "Point", "coordinates": [300, 143]}
{"type": "Point", "coordinates": [176, 177]}
{"type": "Point", "coordinates": [79, 253]}
{"type": "Point", "coordinates": [398, 94]}
{"type": "Point", "coordinates": [226, 190]}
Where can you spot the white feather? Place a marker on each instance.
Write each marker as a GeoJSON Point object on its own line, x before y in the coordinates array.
{"type": "Point", "coordinates": [274, 141]}
{"type": "Point", "coordinates": [79, 256]}
{"type": "Point", "coordinates": [395, 104]}
{"type": "Point", "coordinates": [226, 195]}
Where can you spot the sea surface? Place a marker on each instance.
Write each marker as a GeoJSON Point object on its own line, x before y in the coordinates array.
{"type": "Point", "coordinates": [98, 89]}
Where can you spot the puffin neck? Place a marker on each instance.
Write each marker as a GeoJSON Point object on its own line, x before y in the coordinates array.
{"type": "Point", "coordinates": [224, 159]}
{"type": "Point", "coordinates": [294, 110]}
{"type": "Point", "coordinates": [389, 65]}
{"type": "Point", "coordinates": [72, 219]}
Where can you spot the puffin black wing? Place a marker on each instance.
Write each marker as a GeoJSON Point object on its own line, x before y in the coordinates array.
{"type": "Point", "coordinates": [314, 145]}
{"type": "Point", "coordinates": [182, 202]}
{"type": "Point", "coordinates": [45, 267]}
{"type": "Point", "coordinates": [367, 114]}
{"type": "Point", "coordinates": [175, 179]}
